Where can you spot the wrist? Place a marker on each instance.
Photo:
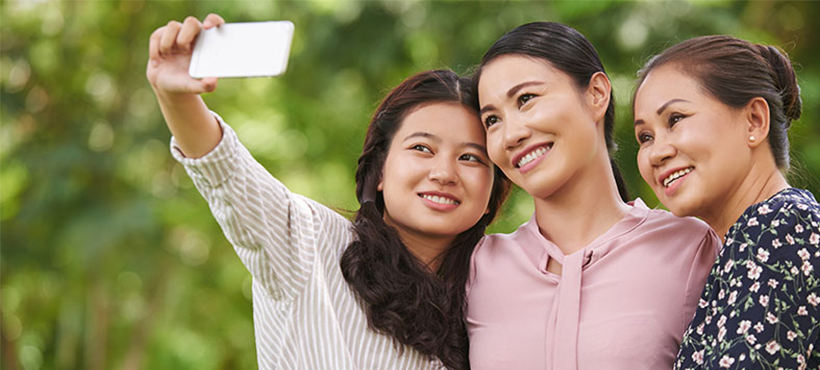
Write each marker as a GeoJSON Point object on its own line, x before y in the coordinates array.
{"type": "Point", "coordinates": [173, 100]}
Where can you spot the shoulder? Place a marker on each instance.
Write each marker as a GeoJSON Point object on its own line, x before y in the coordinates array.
{"type": "Point", "coordinates": [790, 213]}
{"type": "Point", "coordinates": [793, 203]}
{"type": "Point", "coordinates": [783, 227]}
{"type": "Point", "coordinates": [660, 217]}
{"type": "Point", "coordinates": [493, 242]}
{"type": "Point", "coordinates": [513, 249]}
{"type": "Point", "coordinates": [498, 254]}
{"type": "Point", "coordinates": [787, 204]}
{"type": "Point", "coordinates": [684, 237]}
{"type": "Point", "coordinates": [663, 222]}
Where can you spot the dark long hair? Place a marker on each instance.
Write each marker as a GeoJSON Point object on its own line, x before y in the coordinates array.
{"type": "Point", "coordinates": [400, 296]}
{"type": "Point", "coordinates": [735, 71]}
{"type": "Point", "coordinates": [568, 51]}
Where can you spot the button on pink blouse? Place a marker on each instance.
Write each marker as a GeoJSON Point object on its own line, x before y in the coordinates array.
{"type": "Point", "coordinates": [623, 302]}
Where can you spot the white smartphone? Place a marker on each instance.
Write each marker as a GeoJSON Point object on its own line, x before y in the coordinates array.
{"type": "Point", "coordinates": [252, 49]}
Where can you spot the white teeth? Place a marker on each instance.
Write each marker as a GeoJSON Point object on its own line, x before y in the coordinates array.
{"type": "Point", "coordinates": [669, 180]}
{"type": "Point", "coordinates": [532, 155]}
{"type": "Point", "coordinates": [438, 199]}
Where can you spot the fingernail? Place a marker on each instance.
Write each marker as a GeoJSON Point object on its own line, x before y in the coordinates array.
{"type": "Point", "coordinates": [207, 24]}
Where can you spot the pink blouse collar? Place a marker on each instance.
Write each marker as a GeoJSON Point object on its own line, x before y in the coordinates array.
{"type": "Point", "coordinates": [564, 317]}
{"type": "Point", "coordinates": [598, 247]}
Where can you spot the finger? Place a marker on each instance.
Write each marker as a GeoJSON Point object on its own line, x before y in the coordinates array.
{"type": "Point", "coordinates": [166, 43]}
{"type": "Point", "coordinates": [213, 20]}
{"type": "Point", "coordinates": [189, 30]}
{"type": "Point", "coordinates": [153, 44]}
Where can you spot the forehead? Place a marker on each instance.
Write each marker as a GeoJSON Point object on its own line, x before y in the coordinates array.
{"type": "Point", "coordinates": [447, 121]}
{"type": "Point", "coordinates": [664, 83]}
{"type": "Point", "coordinates": [509, 70]}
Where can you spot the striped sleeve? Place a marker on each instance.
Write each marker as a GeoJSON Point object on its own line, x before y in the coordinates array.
{"type": "Point", "coordinates": [274, 232]}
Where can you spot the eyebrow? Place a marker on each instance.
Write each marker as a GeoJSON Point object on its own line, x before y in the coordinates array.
{"type": "Point", "coordinates": [435, 138]}
{"type": "Point", "coordinates": [661, 109]}
{"type": "Point", "coordinates": [426, 135]}
{"type": "Point", "coordinates": [475, 145]}
{"type": "Point", "coordinates": [520, 86]}
{"type": "Point", "coordinates": [511, 92]}
{"type": "Point", "coordinates": [665, 105]}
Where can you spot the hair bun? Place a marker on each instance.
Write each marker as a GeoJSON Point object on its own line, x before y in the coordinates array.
{"type": "Point", "coordinates": [785, 80]}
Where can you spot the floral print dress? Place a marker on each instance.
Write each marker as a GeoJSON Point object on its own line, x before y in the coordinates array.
{"type": "Point", "coordinates": [759, 309]}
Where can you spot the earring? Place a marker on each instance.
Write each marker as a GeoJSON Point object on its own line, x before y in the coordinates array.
{"type": "Point", "coordinates": [751, 138]}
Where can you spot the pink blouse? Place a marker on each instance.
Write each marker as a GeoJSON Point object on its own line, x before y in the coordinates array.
{"type": "Point", "coordinates": [623, 302]}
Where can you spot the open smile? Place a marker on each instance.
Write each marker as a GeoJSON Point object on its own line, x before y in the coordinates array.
{"type": "Point", "coordinates": [439, 198]}
{"type": "Point", "coordinates": [671, 177]}
{"type": "Point", "coordinates": [527, 158]}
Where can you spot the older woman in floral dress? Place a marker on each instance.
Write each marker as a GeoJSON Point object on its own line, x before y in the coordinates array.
{"type": "Point", "coordinates": [712, 116]}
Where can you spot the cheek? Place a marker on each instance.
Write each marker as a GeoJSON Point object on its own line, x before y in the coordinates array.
{"type": "Point", "coordinates": [643, 165]}
{"type": "Point", "coordinates": [477, 183]}
{"type": "Point", "coordinates": [488, 178]}
{"type": "Point", "coordinates": [495, 148]}
{"type": "Point", "coordinates": [399, 169]}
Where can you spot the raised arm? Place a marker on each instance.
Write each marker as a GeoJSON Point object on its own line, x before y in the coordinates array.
{"type": "Point", "coordinates": [194, 127]}
{"type": "Point", "coordinates": [276, 233]}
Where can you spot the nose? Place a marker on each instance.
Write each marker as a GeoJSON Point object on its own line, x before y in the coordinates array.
{"type": "Point", "coordinates": [443, 171]}
{"type": "Point", "coordinates": [660, 151]}
{"type": "Point", "coordinates": [515, 132]}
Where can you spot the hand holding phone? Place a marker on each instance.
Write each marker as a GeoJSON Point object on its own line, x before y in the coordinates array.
{"type": "Point", "coordinates": [239, 52]}
{"type": "Point", "coordinates": [256, 50]}
{"type": "Point", "coordinates": [252, 49]}
{"type": "Point", "coordinates": [169, 52]}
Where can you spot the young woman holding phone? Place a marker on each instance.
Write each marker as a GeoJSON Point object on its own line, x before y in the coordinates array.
{"type": "Point", "coordinates": [712, 116]}
{"type": "Point", "coordinates": [385, 291]}
{"type": "Point", "coordinates": [592, 281]}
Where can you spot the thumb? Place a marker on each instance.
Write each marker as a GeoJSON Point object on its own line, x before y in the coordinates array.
{"type": "Point", "coordinates": [209, 83]}
{"type": "Point", "coordinates": [204, 85]}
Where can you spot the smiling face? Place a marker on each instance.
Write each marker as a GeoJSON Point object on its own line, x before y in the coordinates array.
{"type": "Point", "coordinates": [437, 178]}
{"type": "Point", "coordinates": [539, 130]}
{"type": "Point", "coordinates": [694, 150]}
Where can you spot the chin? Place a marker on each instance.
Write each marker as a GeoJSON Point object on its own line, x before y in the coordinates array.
{"type": "Point", "coordinates": [541, 188]}
{"type": "Point", "coordinates": [435, 228]}
{"type": "Point", "coordinates": [678, 211]}
{"type": "Point", "coordinates": [681, 207]}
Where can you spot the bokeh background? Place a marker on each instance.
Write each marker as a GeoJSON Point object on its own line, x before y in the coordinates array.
{"type": "Point", "coordinates": [110, 258]}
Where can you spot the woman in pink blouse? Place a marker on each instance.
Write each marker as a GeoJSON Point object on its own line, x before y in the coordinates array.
{"type": "Point", "coordinates": [591, 281]}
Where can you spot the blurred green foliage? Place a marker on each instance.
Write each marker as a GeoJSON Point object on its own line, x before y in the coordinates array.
{"type": "Point", "coordinates": [110, 258]}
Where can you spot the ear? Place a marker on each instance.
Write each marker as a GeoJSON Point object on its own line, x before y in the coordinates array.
{"type": "Point", "coordinates": [756, 114]}
{"type": "Point", "coordinates": [598, 94]}
{"type": "Point", "coordinates": [380, 186]}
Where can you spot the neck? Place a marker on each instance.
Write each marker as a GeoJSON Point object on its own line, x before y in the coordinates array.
{"type": "Point", "coordinates": [761, 183]}
{"type": "Point", "coordinates": [428, 249]}
{"type": "Point", "coordinates": [582, 210]}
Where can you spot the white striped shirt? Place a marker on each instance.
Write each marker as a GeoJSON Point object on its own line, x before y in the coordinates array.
{"type": "Point", "coordinates": [305, 315]}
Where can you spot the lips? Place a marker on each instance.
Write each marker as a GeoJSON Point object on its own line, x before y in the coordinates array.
{"type": "Point", "coordinates": [668, 178]}
{"type": "Point", "coordinates": [531, 154]}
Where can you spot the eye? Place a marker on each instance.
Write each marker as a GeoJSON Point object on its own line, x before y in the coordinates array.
{"type": "Point", "coordinates": [490, 120]}
{"type": "Point", "coordinates": [643, 137]}
{"type": "Point", "coordinates": [421, 148]}
{"type": "Point", "coordinates": [675, 118]}
{"type": "Point", "coordinates": [471, 158]}
{"type": "Point", "coordinates": [524, 98]}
